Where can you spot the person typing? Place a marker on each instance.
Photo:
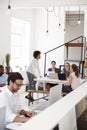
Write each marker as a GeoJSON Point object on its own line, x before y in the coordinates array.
{"type": "Point", "coordinates": [10, 98]}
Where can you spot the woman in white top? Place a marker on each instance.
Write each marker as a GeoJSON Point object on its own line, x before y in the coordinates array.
{"type": "Point", "coordinates": [33, 72]}
{"type": "Point", "coordinates": [74, 78]}
{"type": "Point", "coordinates": [34, 66]}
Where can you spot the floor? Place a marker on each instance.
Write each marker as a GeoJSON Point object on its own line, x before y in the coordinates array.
{"type": "Point", "coordinates": [82, 121]}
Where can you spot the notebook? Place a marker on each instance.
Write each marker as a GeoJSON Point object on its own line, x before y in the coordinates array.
{"type": "Point", "coordinates": [62, 76]}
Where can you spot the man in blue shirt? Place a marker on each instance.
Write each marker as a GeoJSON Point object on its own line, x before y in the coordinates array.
{"type": "Point", "coordinates": [3, 77]}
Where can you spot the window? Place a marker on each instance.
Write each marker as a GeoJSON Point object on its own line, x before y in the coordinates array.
{"type": "Point", "coordinates": [20, 37]}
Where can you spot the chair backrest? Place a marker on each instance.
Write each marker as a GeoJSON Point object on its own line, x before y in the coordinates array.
{"type": "Point", "coordinates": [2, 117]}
{"type": "Point", "coordinates": [25, 82]}
{"type": "Point", "coordinates": [25, 77]}
{"type": "Point", "coordinates": [55, 94]}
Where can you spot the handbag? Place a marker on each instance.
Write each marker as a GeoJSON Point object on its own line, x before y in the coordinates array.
{"type": "Point", "coordinates": [66, 89]}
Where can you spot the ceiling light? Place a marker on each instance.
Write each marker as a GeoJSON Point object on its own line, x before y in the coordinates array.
{"type": "Point", "coordinates": [79, 21]}
{"type": "Point", "coordinates": [9, 6]}
{"type": "Point", "coordinates": [47, 31]}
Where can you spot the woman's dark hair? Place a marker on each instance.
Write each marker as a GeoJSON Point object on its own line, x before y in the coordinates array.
{"type": "Point", "coordinates": [53, 61]}
{"type": "Point", "coordinates": [14, 76]}
{"type": "Point", "coordinates": [36, 53]}
{"type": "Point", "coordinates": [75, 69]}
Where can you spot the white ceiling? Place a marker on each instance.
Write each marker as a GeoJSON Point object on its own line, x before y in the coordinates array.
{"type": "Point", "coordinates": [40, 3]}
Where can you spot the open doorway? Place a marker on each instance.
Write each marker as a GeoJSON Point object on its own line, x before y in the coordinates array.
{"type": "Point", "coordinates": [73, 28]}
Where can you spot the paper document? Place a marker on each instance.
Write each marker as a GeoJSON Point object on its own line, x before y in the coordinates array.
{"type": "Point", "coordinates": [14, 125]}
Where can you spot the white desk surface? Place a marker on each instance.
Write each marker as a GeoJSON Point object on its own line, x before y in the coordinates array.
{"type": "Point", "coordinates": [48, 80]}
{"type": "Point", "coordinates": [53, 114]}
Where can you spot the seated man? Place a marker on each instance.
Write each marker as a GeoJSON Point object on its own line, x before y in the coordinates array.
{"type": "Point", "coordinates": [10, 98]}
{"type": "Point", "coordinates": [3, 77]}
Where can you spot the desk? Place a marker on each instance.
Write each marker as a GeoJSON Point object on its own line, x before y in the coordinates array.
{"type": "Point", "coordinates": [54, 81]}
{"type": "Point", "coordinates": [58, 112]}
{"type": "Point", "coordinates": [45, 80]}
{"type": "Point", "coordinates": [48, 80]}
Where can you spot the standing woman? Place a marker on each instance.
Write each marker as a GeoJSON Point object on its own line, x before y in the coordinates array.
{"type": "Point", "coordinates": [33, 72]}
{"type": "Point", "coordinates": [34, 66]}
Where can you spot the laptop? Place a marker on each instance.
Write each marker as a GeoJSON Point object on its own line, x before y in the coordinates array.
{"type": "Point", "coordinates": [55, 94]}
{"type": "Point", "coordinates": [53, 75]}
{"type": "Point", "coordinates": [62, 76]}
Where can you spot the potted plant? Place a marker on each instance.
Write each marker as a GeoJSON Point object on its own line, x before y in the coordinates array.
{"type": "Point", "coordinates": [7, 60]}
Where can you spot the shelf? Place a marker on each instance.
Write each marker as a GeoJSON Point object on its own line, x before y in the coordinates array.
{"type": "Point", "coordinates": [74, 44]}
{"type": "Point", "coordinates": [74, 60]}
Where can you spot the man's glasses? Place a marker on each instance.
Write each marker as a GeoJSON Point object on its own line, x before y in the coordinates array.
{"type": "Point", "coordinates": [18, 84]}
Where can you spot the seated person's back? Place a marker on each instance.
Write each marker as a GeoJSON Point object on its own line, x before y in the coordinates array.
{"type": "Point", "coordinates": [3, 77]}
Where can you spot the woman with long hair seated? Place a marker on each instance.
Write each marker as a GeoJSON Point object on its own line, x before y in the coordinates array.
{"type": "Point", "coordinates": [73, 80]}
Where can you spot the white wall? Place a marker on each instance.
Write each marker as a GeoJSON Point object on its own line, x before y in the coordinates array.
{"type": "Point", "coordinates": [73, 29]}
{"type": "Point", "coordinates": [27, 15]}
{"type": "Point", "coordinates": [85, 23]}
{"type": "Point", "coordinates": [38, 38]}
{"type": "Point", "coordinates": [5, 32]}
{"type": "Point", "coordinates": [4, 35]}
{"type": "Point", "coordinates": [54, 38]}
